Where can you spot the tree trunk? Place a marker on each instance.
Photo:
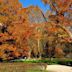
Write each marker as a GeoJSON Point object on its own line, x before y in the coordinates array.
{"type": "Point", "coordinates": [29, 57]}
{"type": "Point", "coordinates": [39, 50]}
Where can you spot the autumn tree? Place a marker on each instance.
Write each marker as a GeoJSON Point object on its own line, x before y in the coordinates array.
{"type": "Point", "coordinates": [9, 24]}
{"type": "Point", "coordinates": [26, 33]}
{"type": "Point", "coordinates": [61, 9]}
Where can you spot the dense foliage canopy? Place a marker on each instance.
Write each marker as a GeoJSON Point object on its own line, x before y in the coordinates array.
{"type": "Point", "coordinates": [27, 32]}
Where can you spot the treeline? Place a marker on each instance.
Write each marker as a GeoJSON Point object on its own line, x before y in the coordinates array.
{"type": "Point", "coordinates": [27, 32]}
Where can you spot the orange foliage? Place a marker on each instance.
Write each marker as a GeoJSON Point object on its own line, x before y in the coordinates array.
{"type": "Point", "coordinates": [17, 30]}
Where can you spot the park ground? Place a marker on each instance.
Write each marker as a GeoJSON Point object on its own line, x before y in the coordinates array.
{"type": "Point", "coordinates": [32, 67]}
{"type": "Point", "coordinates": [20, 67]}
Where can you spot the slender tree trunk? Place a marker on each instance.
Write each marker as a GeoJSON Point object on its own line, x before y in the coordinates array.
{"type": "Point", "coordinates": [29, 57]}
{"type": "Point", "coordinates": [39, 50]}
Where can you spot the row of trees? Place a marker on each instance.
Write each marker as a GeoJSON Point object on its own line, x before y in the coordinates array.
{"type": "Point", "coordinates": [21, 38]}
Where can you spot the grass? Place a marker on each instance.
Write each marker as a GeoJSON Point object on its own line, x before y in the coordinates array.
{"type": "Point", "coordinates": [20, 67]}
{"type": "Point", "coordinates": [48, 61]}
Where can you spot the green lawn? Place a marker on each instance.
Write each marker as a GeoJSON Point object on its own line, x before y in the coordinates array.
{"type": "Point", "coordinates": [48, 61]}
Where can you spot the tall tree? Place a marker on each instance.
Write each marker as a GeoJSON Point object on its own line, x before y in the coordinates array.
{"type": "Point", "coordinates": [8, 19]}
{"type": "Point", "coordinates": [60, 20]}
{"type": "Point", "coordinates": [61, 9]}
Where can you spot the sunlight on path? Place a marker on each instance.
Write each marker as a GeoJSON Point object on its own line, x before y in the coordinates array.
{"type": "Point", "coordinates": [58, 68]}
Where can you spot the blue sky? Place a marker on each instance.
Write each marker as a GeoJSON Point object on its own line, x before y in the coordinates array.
{"type": "Point", "coordinates": [39, 3]}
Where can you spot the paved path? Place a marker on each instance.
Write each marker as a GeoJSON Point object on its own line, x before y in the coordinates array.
{"type": "Point", "coordinates": [58, 68]}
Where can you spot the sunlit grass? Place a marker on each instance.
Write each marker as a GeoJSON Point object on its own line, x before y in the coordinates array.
{"type": "Point", "coordinates": [20, 67]}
